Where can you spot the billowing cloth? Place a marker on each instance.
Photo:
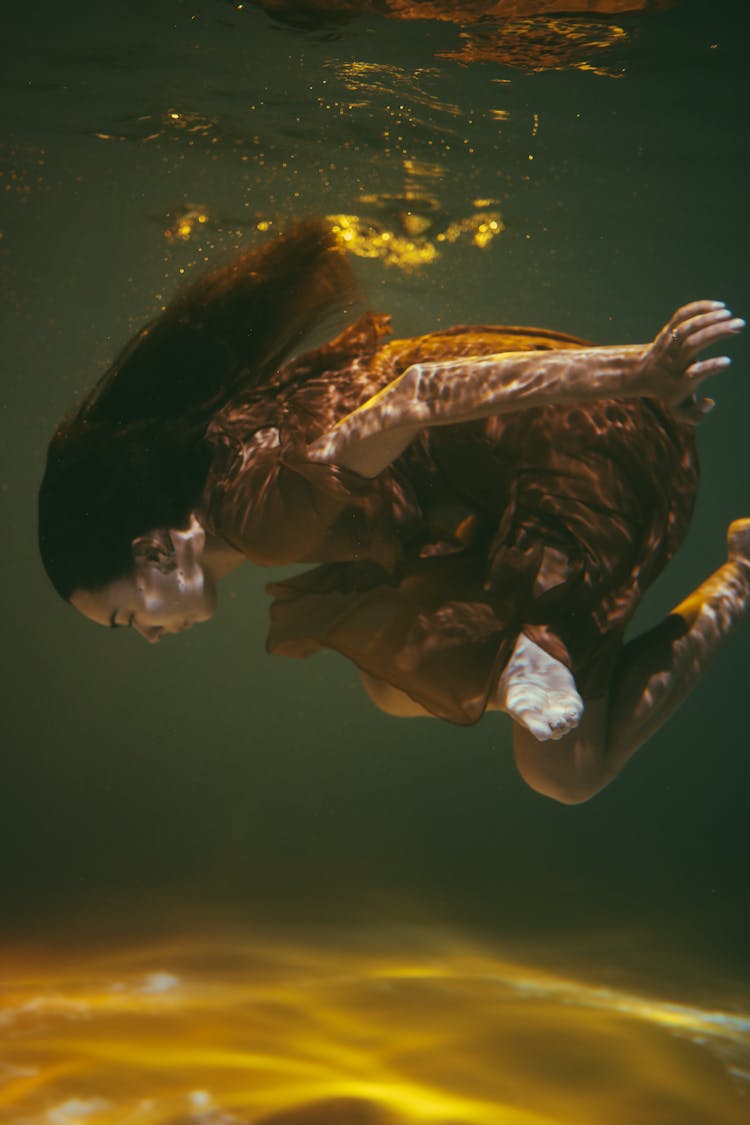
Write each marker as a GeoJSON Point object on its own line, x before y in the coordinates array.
{"type": "Point", "coordinates": [551, 521]}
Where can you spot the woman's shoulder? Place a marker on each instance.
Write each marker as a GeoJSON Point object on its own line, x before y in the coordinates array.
{"type": "Point", "coordinates": [358, 341]}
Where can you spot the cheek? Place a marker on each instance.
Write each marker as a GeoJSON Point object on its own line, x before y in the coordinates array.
{"type": "Point", "coordinates": [200, 604]}
{"type": "Point", "coordinates": [159, 596]}
{"type": "Point", "coordinates": [167, 597]}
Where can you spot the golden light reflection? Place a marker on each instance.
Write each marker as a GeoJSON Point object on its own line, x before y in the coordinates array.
{"type": "Point", "coordinates": [395, 82]}
{"type": "Point", "coordinates": [448, 11]}
{"type": "Point", "coordinates": [410, 247]}
{"type": "Point", "coordinates": [481, 227]}
{"type": "Point", "coordinates": [366, 238]}
{"type": "Point", "coordinates": [409, 234]}
{"type": "Point", "coordinates": [532, 35]}
{"type": "Point", "coordinates": [189, 129]}
{"type": "Point", "coordinates": [543, 44]}
{"type": "Point", "coordinates": [185, 222]}
{"type": "Point", "coordinates": [386, 1032]}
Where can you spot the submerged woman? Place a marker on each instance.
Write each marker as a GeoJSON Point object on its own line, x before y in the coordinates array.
{"type": "Point", "coordinates": [486, 505]}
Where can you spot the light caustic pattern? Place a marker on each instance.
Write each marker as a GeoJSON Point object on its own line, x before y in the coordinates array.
{"type": "Point", "coordinates": [235, 1032]}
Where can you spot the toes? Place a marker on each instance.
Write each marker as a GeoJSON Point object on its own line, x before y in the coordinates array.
{"type": "Point", "coordinates": [538, 725]}
{"type": "Point", "coordinates": [543, 728]}
{"type": "Point", "coordinates": [554, 717]}
{"type": "Point", "coordinates": [566, 707]}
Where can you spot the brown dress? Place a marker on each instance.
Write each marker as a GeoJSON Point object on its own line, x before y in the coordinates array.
{"type": "Point", "coordinates": [551, 521]}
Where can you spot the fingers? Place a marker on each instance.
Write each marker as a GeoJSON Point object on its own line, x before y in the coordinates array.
{"type": "Point", "coordinates": [702, 331]}
{"type": "Point", "coordinates": [703, 320]}
{"type": "Point", "coordinates": [704, 368]}
{"type": "Point", "coordinates": [687, 328]}
{"type": "Point", "coordinates": [695, 308]}
{"type": "Point", "coordinates": [693, 409]}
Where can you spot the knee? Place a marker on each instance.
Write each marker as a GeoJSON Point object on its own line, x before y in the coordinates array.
{"type": "Point", "coordinates": [390, 699]}
{"type": "Point", "coordinates": [571, 793]}
{"type": "Point", "coordinates": [572, 769]}
{"type": "Point", "coordinates": [558, 776]}
{"type": "Point", "coordinates": [565, 791]}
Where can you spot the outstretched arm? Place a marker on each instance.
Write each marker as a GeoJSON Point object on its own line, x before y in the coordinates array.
{"type": "Point", "coordinates": [467, 389]}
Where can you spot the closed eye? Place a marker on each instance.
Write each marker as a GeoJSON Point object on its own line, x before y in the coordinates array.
{"type": "Point", "coordinates": [115, 624]}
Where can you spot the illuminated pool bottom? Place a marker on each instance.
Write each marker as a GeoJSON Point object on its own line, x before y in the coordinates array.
{"type": "Point", "coordinates": [236, 1031]}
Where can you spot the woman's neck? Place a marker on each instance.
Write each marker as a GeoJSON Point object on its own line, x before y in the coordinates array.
{"type": "Point", "coordinates": [219, 559]}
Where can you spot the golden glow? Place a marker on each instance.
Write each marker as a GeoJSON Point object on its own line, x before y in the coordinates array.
{"type": "Point", "coordinates": [543, 43]}
{"type": "Point", "coordinates": [410, 248]}
{"type": "Point", "coordinates": [413, 224]}
{"type": "Point", "coordinates": [481, 228]}
{"type": "Point", "coordinates": [368, 239]}
{"type": "Point", "coordinates": [185, 222]}
{"type": "Point", "coordinates": [178, 126]}
{"type": "Point", "coordinates": [381, 1032]}
{"type": "Point", "coordinates": [398, 83]}
{"type": "Point", "coordinates": [423, 170]}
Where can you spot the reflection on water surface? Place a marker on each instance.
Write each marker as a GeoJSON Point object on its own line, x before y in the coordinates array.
{"type": "Point", "coordinates": [238, 1031]}
{"type": "Point", "coordinates": [530, 35]}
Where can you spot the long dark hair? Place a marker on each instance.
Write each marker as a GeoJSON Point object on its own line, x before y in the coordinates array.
{"type": "Point", "coordinates": [132, 457]}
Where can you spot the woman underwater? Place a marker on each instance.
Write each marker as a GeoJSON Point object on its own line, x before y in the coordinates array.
{"type": "Point", "coordinates": [484, 505]}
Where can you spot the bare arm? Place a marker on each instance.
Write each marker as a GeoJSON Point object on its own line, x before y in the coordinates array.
{"type": "Point", "coordinates": [467, 389]}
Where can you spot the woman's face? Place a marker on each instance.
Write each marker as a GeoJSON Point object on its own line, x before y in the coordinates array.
{"type": "Point", "coordinates": [153, 604]}
{"type": "Point", "coordinates": [167, 591]}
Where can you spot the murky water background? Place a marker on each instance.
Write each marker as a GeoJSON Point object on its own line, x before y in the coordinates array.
{"type": "Point", "coordinates": [414, 935]}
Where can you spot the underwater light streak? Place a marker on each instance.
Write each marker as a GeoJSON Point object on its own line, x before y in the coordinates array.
{"type": "Point", "coordinates": [243, 1032]}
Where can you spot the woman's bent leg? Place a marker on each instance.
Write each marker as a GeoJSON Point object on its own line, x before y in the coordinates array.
{"type": "Point", "coordinates": [653, 676]}
{"type": "Point", "coordinates": [390, 700]}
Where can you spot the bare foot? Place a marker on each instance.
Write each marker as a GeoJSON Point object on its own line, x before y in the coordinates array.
{"type": "Point", "coordinates": [539, 692]}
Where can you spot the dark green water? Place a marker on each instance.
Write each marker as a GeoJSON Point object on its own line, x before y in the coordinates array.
{"type": "Point", "coordinates": [147, 789]}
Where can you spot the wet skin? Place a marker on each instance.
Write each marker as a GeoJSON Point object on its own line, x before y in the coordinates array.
{"type": "Point", "coordinates": [151, 602]}
{"type": "Point", "coordinates": [171, 587]}
{"type": "Point", "coordinates": [173, 582]}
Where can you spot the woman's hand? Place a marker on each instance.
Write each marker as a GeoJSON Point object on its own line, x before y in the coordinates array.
{"type": "Point", "coordinates": [670, 370]}
{"type": "Point", "coordinates": [450, 391]}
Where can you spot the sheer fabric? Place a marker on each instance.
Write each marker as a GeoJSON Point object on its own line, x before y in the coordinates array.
{"type": "Point", "coordinates": [551, 521]}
